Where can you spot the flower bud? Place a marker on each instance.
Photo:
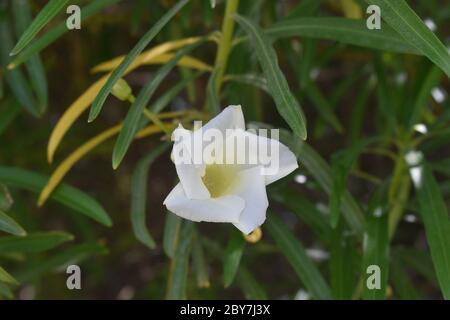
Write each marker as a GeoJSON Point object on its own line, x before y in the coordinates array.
{"type": "Point", "coordinates": [121, 90]}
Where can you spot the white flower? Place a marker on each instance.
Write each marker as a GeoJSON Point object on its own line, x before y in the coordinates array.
{"type": "Point", "coordinates": [234, 193]}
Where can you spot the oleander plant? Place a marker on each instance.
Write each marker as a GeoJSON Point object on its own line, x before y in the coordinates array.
{"type": "Point", "coordinates": [93, 205]}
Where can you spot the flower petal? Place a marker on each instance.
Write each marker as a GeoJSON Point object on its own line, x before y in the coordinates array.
{"type": "Point", "coordinates": [223, 209]}
{"type": "Point", "coordinates": [230, 118]}
{"type": "Point", "coordinates": [287, 161]}
{"type": "Point", "coordinates": [252, 189]}
{"type": "Point", "coordinates": [274, 158]}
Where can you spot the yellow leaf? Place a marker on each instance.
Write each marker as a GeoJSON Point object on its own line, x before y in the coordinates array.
{"type": "Point", "coordinates": [73, 158]}
{"type": "Point", "coordinates": [74, 111]}
{"type": "Point", "coordinates": [68, 163]}
{"type": "Point", "coordinates": [350, 8]}
{"type": "Point", "coordinates": [71, 115]}
{"type": "Point", "coordinates": [146, 55]}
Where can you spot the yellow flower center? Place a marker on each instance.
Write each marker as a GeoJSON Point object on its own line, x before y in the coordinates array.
{"type": "Point", "coordinates": [219, 179]}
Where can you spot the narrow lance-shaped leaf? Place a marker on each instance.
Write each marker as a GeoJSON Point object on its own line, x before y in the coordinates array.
{"type": "Point", "coordinates": [343, 30]}
{"type": "Point", "coordinates": [256, 80]}
{"type": "Point", "coordinates": [399, 15]}
{"type": "Point", "coordinates": [54, 33]}
{"type": "Point", "coordinates": [199, 262]}
{"type": "Point", "coordinates": [6, 200]}
{"type": "Point", "coordinates": [8, 115]}
{"type": "Point", "coordinates": [342, 163]}
{"type": "Point", "coordinates": [34, 242]}
{"type": "Point", "coordinates": [431, 80]}
{"type": "Point", "coordinates": [5, 291]}
{"type": "Point", "coordinates": [131, 122]}
{"type": "Point", "coordinates": [23, 18]}
{"type": "Point", "coordinates": [9, 225]}
{"type": "Point", "coordinates": [375, 266]}
{"type": "Point", "coordinates": [322, 173]}
{"type": "Point", "coordinates": [323, 106]}
{"type": "Point", "coordinates": [176, 287]}
{"type": "Point", "coordinates": [342, 271]}
{"type": "Point", "coordinates": [233, 254]}
{"type": "Point", "coordinates": [213, 99]}
{"type": "Point", "coordinates": [65, 194]}
{"type": "Point", "coordinates": [286, 103]}
{"type": "Point", "coordinates": [437, 225]}
{"type": "Point", "coordinates": [16, 78]}
{"type": "Point", "coordinates": [299, 260]}
{"type": "Point", "coordinates": [73, 255]}
{"type": "Point", "coordinates": [252, 288]}
{"type": "Point", "coordinates": [403, 285]}
{"type": "Point", "coordinates": [171, 233]}
{"type": "Point", "coordinates": [139, 196]}
{"type": "Point", "coordinates": [120, 70]}
{"type": "Point", "coordinates": [306, 210]}
{"type": "Point", "coordinates": [50, 10]}
{"type": "Point", "coordinates": [417, 260]}
{"type": "Point", "coordinates": [6, 277]}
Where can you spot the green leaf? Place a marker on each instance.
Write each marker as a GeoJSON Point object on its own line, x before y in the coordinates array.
{"type": "Point", "coordinates": [322, 173]}
{"type": "Point", "coordinates": [6, 201]}
{"type": "Point", "coordinates": [233, 255]}
{"type": "Point", "coordinates": [297, 257]}
{"type": "Point", "coordinates": [176, 286]}
{"type": "Point", "coordinates": [5, 291]}
{"type": "Point", "coordinates": [252, 79]}
{"type": "Point", "coordinates": [139, 196]}
{"type": "Point", "coordinates": [140, 46]}
{"type": "Point", "coordinates": [442, 166]}
{"type": "Point", "coordinates": [323, 106]}
{"type": "Point", "coordinates": [173, 92]}
{"type": "Point", "coordinates": [60, 261]}
{"type": "Point", "coordinates": [403, 285]}
{"type": "Point", "coordinates": [213, 99]}
{"type": "Point", "coordinates": [50, 10]}
{"type": "Point", "coordinates": [6, 277]}
{"type": "Point", "coordinates": [305, 210]}
{"type": "Point", "coordinates": [34, 242]}
{"type": "Point", "coordinates": [399, 15]}
{"type": "Point", "coordinates": [308, 55]}
{"type": "Point", "coordinates": [348, 31]}
{"type": "Point", "coordinates": [419, 261]}
{"type": "Point", "coordinates": [304, 9]}
{"type": "Point", "coordinates": [320, 170]}
{"type": "Point", "coordinates": [385, 100]}
{"type": "Point", "coordinates": [376, 247]}
{"type": "Point", "coordinates": [64, 194]}
{"type": "Point", "coordinates": [54, 33]}
{"type": "Point", "coordinates": [9, 225]}
{"type": "Point", "coordinates": [23, 18]}
{"type": "Point", "coordinates": [252, 288]}
{"type": "Point", "coordinates": [171, 233]}
{"type": "Point", "coordinates": [16, 78]}
{"type": "Point", "coordinates": [134, 115]}
{"type": "Point", "coordinates": [287, 105]}
{"type": "Point", "coordinates": [199, 262]}
{"type": "Point", "coordinates": [437, 226]}
{"type": "Point", "coordinates": [341, 165]}
{"type": "Point", "coordinates": [359, 109]}
{"type": "Point", "coordinates": [342, 273]}
{"type": "Point", "coordinates": [8, 115]}
{"type": "Point", "coordinates": [431, 80]}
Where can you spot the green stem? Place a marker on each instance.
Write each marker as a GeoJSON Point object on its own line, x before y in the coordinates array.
{"type": "Point", "coordinates": [225, 43]}
{"type": "Point", "coordinates": [398, 193]}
